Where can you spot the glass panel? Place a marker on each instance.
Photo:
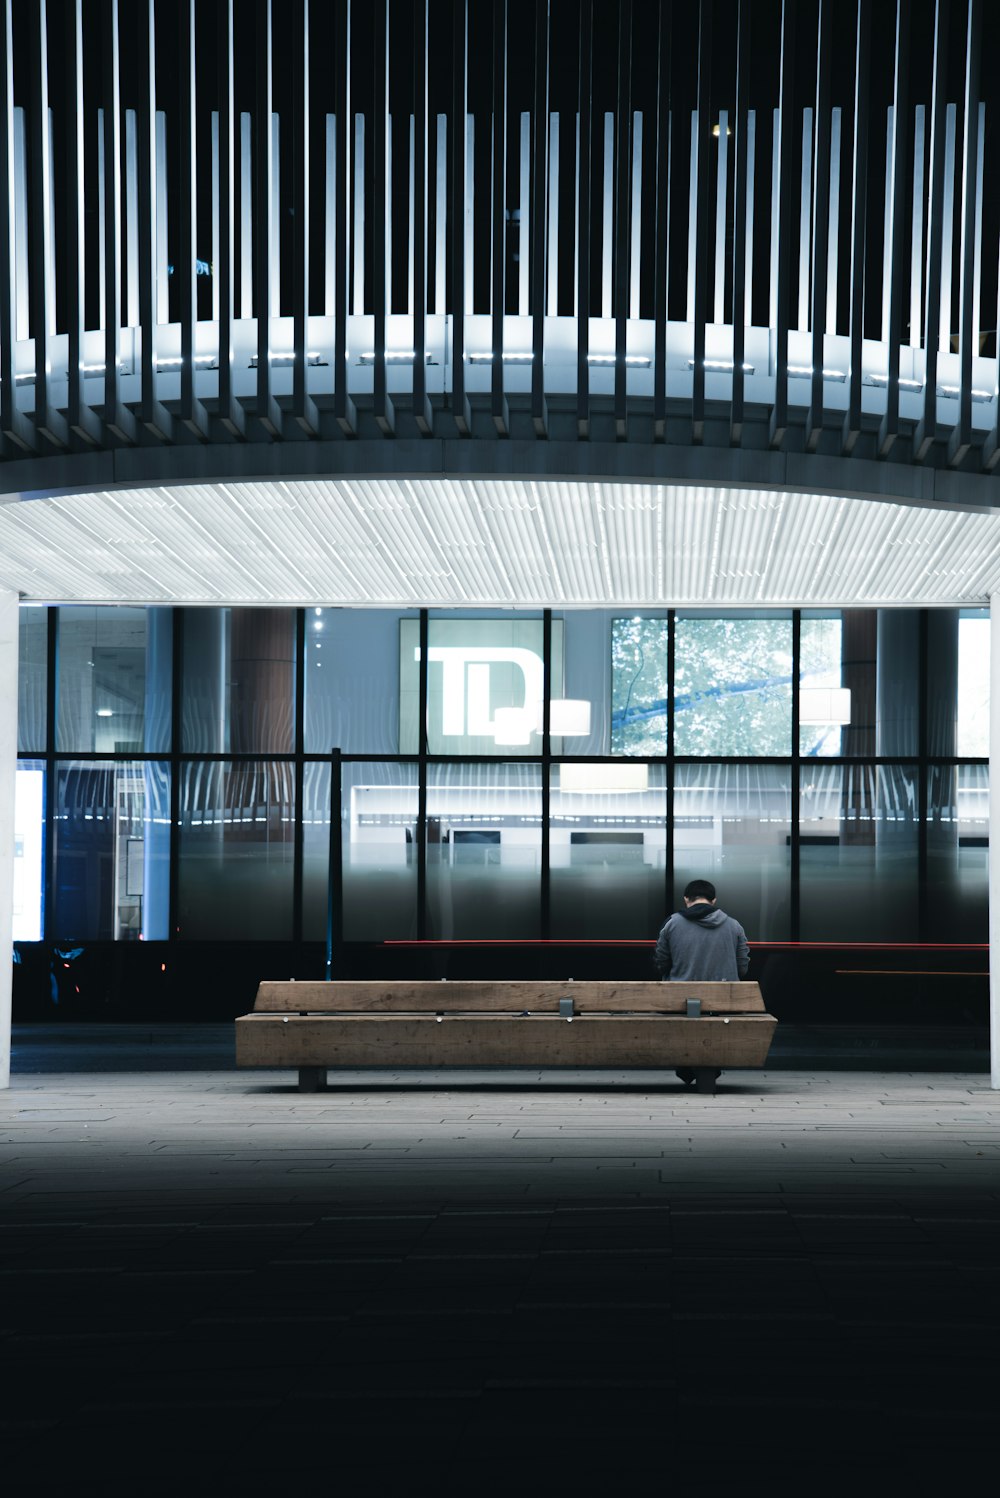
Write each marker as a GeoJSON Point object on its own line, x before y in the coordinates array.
{"type": "Point", "coordinates": [114, 680]}
{"type": "Point", "coordinates": [239, 681]}
{"type": "Point", "coordinates": [484, 849]}
{"type": "Point", "coordinates": [732, 825]}
{"type": "Point", "coordinates": [484, 685]}
{"type": "Point", "coordinates": [638, 686]}
{"type": "Point", "coordinates": [973, 737]}
{"type": "Point", "coordinates": [607, 850]}
{"type": "Point", "coordinates": [958, 825]}
{"type": "Point", "coordinates": [733, 686]}
{"type": "Point", "coordinates": [236, 850]}
{"type": "Point", "coordinates": [32, 660]}
{"type": "Point", "coordinates": [29, 845]}
{"type": "Point", "coordinates": [898, 682]}
{"type": "Point", "coordinates": [858, 853]}
{"type": "Point", "coordinates": [379, 851]}
{"type": "Point", "coordinates": [112, 845]}
{"type": "Point", "coordinates": [586, 635]}
{"type": "Point", "coordinates": [821, 647]}
{"type": "Point", "coordinates": [352, 678]}
{"type": "Point", "coordinates": [858, 675]}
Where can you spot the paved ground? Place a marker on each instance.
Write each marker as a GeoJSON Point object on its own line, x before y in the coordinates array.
{"type": "Point", "coordinates": [488, 1283]}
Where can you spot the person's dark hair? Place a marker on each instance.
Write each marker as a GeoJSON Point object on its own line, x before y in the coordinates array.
{"type": "Point", "coordinates": [699, 889]}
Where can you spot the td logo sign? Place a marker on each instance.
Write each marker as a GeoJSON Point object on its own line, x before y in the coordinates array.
{"type": "Point", "coordinates": [485, 684]}
{"type": "Point", "coordinates": [467, 699]}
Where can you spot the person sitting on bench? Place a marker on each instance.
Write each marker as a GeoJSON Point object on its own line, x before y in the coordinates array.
{"type": "Point", "coordinates": [701, 944]}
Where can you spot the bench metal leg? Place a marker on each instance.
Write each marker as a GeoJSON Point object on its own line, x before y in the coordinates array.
{"type": "Point", "coordinates": [706, 1078]}
{"type": "Point", "coordinates": [312, 1078]}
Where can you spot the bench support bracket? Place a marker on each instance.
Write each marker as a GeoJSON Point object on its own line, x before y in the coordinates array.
{"type": "Point", "coordinates": [312, 1078]}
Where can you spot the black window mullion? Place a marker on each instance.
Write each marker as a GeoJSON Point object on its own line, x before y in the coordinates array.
{"type": "Point", "coordinates": [299, 772]}
{"type": "Point", "coordinates": [923, 771]}
{"type": "Point", "coordinates": [176, 719]}
{"type": "Point", "coordinates": [671, 764]}
{"type": "Point", "coordinates": [48, 844]}
{"type": "Point", "coordinates": [794, 842]}
{"type": "Point", "coordinates": [335, 869]}
{"type": "Point", "coordinates": [545, 888]}
{"type": "Point", "coordinates": [421, 828]}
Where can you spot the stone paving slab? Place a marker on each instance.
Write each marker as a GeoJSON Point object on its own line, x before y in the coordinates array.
{"type": "Point", "coordinates": [488, 1282]}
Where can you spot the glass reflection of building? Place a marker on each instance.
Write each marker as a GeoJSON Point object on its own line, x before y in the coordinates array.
{"type": "Point", "coordinates": [175, 773]}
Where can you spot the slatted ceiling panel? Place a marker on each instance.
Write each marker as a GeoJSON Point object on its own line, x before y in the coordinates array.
{"type": "Point", "coordinates": [584, 549]}
{"type": "Point", "coordinates": [687, 537]}
{"type": "Point", "coordinates": [378, 542]}
{"type": "Point", "coordinates": [494, 559]}
{"type": "Point", "coordinates": [476, 563]}
{"type": "Point", "coordinates": [806, 534]}
{"type": "Point", "coordinates": [749, 546]}
{"type": "Point", "coordinates": [594, 573]}
{"type": "Point", "coordinates": [630, 541]}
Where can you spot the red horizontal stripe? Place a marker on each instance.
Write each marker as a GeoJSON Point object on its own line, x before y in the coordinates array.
{"type": "Point", "coordinates": [756, 946]}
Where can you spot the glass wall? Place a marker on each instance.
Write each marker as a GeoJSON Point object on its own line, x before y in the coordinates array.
{"type": "Point", "coordinates": [29, 850]}
{"type": "Point", "coordinates": [32, 663]}
{"type": "Point", "coordinates": [821, 672]}
{"type": "Point", "coordinates": [236, 843]}
{"type": "Point", "coordinates": [111, 825]}
{"type": "Point", "coordinates": [859, 853]}
{"type": "Point", "coordinates": [639, 667]}
{"type": "Point", "coordinates": [608, 849]}
{"type": "Point", "coordinates": [732, 825]}
{"type": "Point", "coordinates": [379, 855]}
{"type": "Point", "coordinates": [485, 684]}
{"type": "Point", "coordinates": [484, 851]}
{"type": "Point", "coordinates": [733, 685]}
{"type": "Point", "coordinates": [973, 734]}
{"type": "Point", "coordinates": [352, 680]}
{"type": "Point", "coordinates": [670, 756]}
{"type": "Point", "coordinates": [114, 680]}
{"type": "Point", "coordinates": [958, 824]}
{"type": "Point", "coordinates": [238, 681]}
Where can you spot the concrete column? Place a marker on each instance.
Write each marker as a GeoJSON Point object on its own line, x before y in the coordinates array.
{"type": "Point", "coordinates": [995, 840]}
{"type": "Point", "coordinates": [8, 765]}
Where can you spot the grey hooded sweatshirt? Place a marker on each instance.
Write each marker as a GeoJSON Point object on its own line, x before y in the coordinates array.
{"type": "Point", "coordinates": [701, 944]}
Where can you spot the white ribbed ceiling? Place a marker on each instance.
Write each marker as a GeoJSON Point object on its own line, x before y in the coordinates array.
{"type": "Point", "coordinates": [445, 543]}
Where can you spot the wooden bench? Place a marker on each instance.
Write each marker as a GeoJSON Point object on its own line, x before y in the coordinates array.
{"type": "Point", "coordinates": [699, 1027]}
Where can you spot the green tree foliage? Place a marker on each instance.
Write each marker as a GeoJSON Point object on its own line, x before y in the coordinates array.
{"type": "Point", "coordinates": [733, 685]}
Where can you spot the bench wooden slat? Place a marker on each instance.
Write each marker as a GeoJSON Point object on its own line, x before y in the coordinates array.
{"type": "Point", "coordinates": [483, 996]}
{"type": "Point", "coordinates": [502, 1040]}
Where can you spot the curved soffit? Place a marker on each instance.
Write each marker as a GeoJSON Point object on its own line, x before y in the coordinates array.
{"type": "Point", "coordinates": [497, 543]}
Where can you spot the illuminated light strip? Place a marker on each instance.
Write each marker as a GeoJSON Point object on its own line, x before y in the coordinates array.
{"type": "Point", "coordinates": [395, 356]}
{"type": "Point", "coordinates": [392, 356]}
{"type": "Point", "coordinates": [210, 361]}
{"type": "Point", "coordinates": [721, 366]}
{"type": "Point", "coordinates": [881, 381]}
{"type": "Point", "coordinates": [517, 357]}
{"type": "Point", "coordinates": [805, 372]}
{"type": "Point", "coordinates": [634, 361]}
{"type": "Point", "coordinates": [312, 357]}
{"type": "Point", "coordinates": [952, 392]}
